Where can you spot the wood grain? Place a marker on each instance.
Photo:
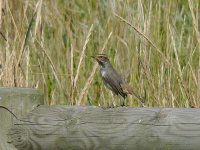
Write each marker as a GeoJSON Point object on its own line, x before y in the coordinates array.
{"type": "Point", "coordinates": [20, 101]}
{"type": "Point", "coordinates": [64, 127]}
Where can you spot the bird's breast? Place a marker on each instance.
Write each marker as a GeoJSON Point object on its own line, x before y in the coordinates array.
{"type": "Point", "coordinates": [103, 73]}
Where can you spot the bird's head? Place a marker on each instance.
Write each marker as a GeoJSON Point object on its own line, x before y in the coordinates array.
{"type": "Point", "coordinates": [102, 59]}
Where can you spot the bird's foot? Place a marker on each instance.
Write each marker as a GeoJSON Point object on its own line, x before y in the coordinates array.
{"type": "Point", "coordinates": [123, 104]}
{"type": "Point", "coordinates": [108, 107]}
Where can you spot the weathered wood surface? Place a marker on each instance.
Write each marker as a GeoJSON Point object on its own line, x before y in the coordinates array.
{"type": "Point", "coordinates": [122, 128]}
{"type": "Point", "coordinates": [20, 101]}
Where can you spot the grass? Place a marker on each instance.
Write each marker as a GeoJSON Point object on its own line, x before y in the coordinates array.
{"type": "Point", "coordinates": [154, 44]}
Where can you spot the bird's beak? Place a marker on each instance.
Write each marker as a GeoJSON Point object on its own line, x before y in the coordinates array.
{"type": "Point", "coordinates": [96, 58]}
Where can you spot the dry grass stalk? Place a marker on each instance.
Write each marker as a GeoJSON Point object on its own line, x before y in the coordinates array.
{"type": "Point", "coordinates": [91, 77]}
{"type": "Point", "coordinates": [143, 35]}
{"type": "Point", "coordinates": [169, 71]}
{"type": "Point", "coordinates": [82, 55]}
{"type": "Point", "coordinates": [194, 21]}
{"type": "Point", "coordinates": [81, 58]}
{"type": "Point", "coordinates": [51, 64]}
{"type": "Point", "coordinates": [72, 73]}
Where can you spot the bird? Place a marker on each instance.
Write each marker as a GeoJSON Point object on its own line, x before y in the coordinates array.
{"type": "Point", "coordinates": [113, 80]}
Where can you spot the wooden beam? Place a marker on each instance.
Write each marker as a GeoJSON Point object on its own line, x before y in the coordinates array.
{"type": "Point", "coordinates": [20, 101]}
{"type": "Point", "coordinates": [65, 127]}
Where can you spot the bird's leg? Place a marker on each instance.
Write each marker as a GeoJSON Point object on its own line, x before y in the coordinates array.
{"type": "Point", "coordinates": [114, 97]}
{"type": "Point", "coordinates": [122, 102]}
{"type": "Point", "coordinates": [129, 90]}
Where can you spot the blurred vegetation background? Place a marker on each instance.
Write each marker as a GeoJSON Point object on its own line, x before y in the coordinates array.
{"type": "Point", "coordinates": [155, 44]}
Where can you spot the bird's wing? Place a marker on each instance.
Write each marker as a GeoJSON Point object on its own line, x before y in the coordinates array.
{"type": "Point", "coordinates": [114, 84]}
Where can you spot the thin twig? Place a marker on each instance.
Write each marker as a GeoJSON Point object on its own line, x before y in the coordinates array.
{"type": "Point", "coordinates": [3, 107]}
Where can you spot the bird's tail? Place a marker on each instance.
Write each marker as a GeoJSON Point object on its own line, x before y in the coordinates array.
{"type": "Point", "coordinates": [142, 101]}
{"type": "Point", "coordinates": [129, 90]}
